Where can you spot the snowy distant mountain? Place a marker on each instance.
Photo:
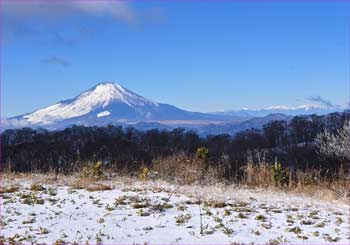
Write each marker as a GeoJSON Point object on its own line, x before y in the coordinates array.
{"type": "Point", "coordinates": [290, 111]}
{"type": "Point", "coordinates": [238, 126]}
{"type": "Point", "coordinates": [107, 103]}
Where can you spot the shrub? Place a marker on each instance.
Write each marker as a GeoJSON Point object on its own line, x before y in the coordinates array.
{"type": "Point", "coordinates": [280, 175]}
{"type": "Point", "coordinates": [202, 153]}
{"type": "Point", "coordinates": [335, 145]}
{"type": "Point", "coordinates": [97, 169]}
{"type": "Point", "coordinates": [144, 175]}
{"type": "Point", "coordinates": [94, 171]}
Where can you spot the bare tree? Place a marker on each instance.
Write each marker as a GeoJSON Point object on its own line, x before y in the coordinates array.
{"type": "Point", "coordinates": [337, 144]}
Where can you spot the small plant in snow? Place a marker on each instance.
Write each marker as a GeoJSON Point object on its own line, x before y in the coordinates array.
{"type": "Point", "coordinates": [302, 237]}
{"type": "Point", "coordinates": [339, 221]}
{"type": "Point", "coordinates": [217, 219]}
{"type": "Point", "coordinates": [37, 187]}
{"type": "Point", "coordinates": [227, 212]}
{"type": "Point", "coordinates": [51, 192]}
{"type": "Point", "coordinates": [181, 208]}
{"type": "Point", "coordinates": [320, 225]}
{"type": "Point", "coordinates": [295, 230]}
{"type": "Point", "coordinates": [260, 217]}
{"type": "Point", "coordinates": [242, 216]}
{"type": "Point", "coordinates": [109, 208]}
{"type": "Point", "coordinates": [227, 231]}
{"type": "Point", "coordinates": [307, 222]}
{"type": "Point", "coordinates": [182, 218]}
{"type": "Point", "coordinates": [29, 221]}
{"type": "Point", "coordinates": [43, 231]}
{"type": "Point", "coordinates": [60, 242]}
{"type": "Point", "coordinates": [140, 212]}
{"type": "Point", "coordinates": [278, 240]}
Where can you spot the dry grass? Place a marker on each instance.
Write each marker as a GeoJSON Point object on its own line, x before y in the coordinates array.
{"type": "Point", "coordinates": [89, 185]}
{"type": "Point", "coordinates": [215, 193]}
{"type": "Point", "coordinates": [258, 175]}
{"type": "Point", "coordinates": [310, 182]}
{"type": "Point", "coordinates": [79, 184]}
{"type": "Point", "coordinates": [9, 189]}
{"type": "Point", "coordinates": [98, 187]}
{"type": "Point", "coordinates": [36, 187]}
{"type": "Point", "coordinates": [185, 170]}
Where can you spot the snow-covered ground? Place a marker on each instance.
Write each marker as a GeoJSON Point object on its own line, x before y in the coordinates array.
{"type": "Point", "coordinates": [161, 213]}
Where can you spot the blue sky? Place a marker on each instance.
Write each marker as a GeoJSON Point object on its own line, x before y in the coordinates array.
{"type": "Point", "coordinates": [197, 55]}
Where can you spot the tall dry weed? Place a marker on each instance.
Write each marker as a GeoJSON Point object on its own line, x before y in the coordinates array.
{"type": "Point", "coordinates": [187, 170]}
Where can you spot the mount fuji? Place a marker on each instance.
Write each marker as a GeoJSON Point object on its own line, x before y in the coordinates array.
{"type": "Point", "coordinates": [109, 103]}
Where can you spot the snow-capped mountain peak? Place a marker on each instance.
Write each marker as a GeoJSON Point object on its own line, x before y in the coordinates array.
{"type": "Point", "coordinates": [99, 97]}
{"type": "Point", "coordinates": [105, 93]}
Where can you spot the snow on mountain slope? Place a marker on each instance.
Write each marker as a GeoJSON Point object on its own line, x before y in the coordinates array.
{"type": "Point", "coordinates": [103, 114]}
{"type": "Point", "coordinates": [99, 96]}
{"type": "Point", "coordinates": [106, 103]}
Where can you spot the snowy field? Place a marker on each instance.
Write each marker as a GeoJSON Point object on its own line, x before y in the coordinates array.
{"type": "Point", "coordinates": [160, 213]}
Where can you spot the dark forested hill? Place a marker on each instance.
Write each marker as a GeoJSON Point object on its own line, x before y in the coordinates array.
{"type": "Point", "coordinates": [291, 141]}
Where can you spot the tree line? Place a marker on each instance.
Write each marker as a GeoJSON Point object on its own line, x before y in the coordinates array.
{"type": "Point", "coordinates": [292, 143]}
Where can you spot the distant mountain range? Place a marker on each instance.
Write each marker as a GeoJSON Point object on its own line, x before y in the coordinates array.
{"type": "Point", "coordinates": [238, 126]}
{"type": "Point", "coordinates": [291, 111]}
{"type": "Point", "coordinates": [110, 103]}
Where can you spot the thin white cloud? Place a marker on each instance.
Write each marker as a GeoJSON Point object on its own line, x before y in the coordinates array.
{"type": "Point", "coordinates": [119, 10]}
{"type": "Point", "coordinates": [54, 60]}
{"type": "Point", "coordinates": [55, 21]}
{"type": "Point", "coordinates": [41, 18]}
